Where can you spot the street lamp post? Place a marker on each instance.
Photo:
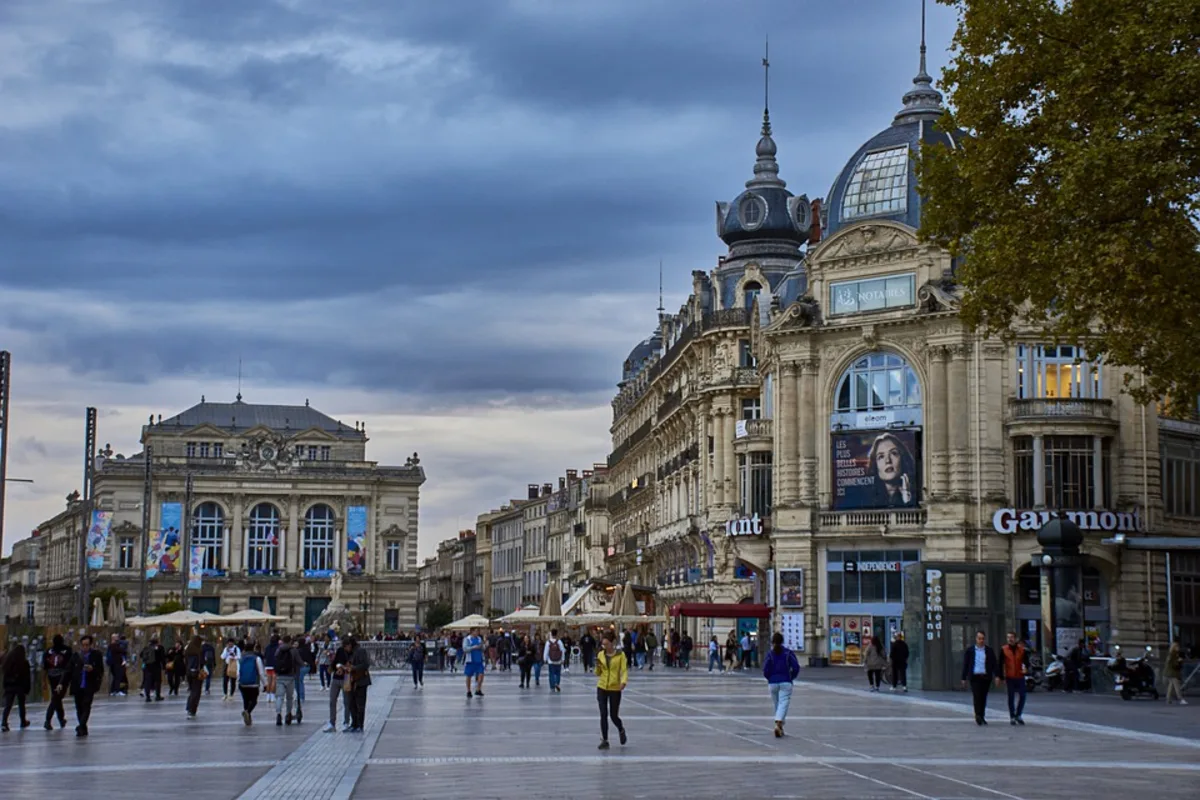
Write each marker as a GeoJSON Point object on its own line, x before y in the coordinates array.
{"type": "Point", "coordinates": [1061, 590]}
{"type": "Point", "coordinates": [364, 605]}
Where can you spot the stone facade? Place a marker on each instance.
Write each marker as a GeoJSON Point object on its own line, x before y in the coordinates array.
{"type": "Point", "coordinates": [19, 581]}
{"type": "Point", "coordinates": [273, 489]}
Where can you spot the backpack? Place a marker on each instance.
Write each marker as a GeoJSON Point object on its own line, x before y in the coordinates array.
{"type": "Point", "coordinates": [56, 664]}
{"type": "Point", "coordinates": [284, 661]}
{"type": "Point", "coordinates": [149, 656]}
{"type": "Point", "coordinates": [248, 670]}
{"type": "Point", "coordinates": [556, 653]}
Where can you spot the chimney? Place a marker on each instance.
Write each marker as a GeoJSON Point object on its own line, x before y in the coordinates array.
{"type": "Point", "coordinates": [572, 474]}
{"type": "Point", "coordinates": [562, 484]}
{"type": "Point", "coordinates": [547, 488]}
{"type": "Point", "coordinates": [587, 473]}
{"type": "Point", "coordinates": [814, 230]}
{"type": "Point", "coordinates": [533, 491]}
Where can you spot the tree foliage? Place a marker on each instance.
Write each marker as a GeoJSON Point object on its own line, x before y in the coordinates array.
{"type": "Point", "coordinates": [440, 614]}
{"type": "Point", "coordinates": [1074, 203]}
{"type": "Point", "coordinates": [167, 607]}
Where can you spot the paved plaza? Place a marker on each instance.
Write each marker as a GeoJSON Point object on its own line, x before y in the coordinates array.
{"type": "Point", "coordinates": [691, 735]}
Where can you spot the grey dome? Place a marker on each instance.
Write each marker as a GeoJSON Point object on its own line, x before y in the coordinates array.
{"type": "Point", "coordinates": [766, 210]}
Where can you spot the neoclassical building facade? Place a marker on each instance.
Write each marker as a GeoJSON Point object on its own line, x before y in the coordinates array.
{"type": "Point", "coordinates": [817, 418]}
{"type": "Point", "coordinates": [276, 498]}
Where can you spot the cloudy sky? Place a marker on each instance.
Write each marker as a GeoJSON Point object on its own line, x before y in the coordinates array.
{"type": "Point", "coordinates": [444, 219]}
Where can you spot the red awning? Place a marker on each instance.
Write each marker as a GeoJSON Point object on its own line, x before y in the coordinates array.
{"type": "Point", "coordinates": [722, 610]}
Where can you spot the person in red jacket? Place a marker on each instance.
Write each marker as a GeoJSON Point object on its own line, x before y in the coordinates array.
{"type": "Point", "coordinates": [1014, 665]}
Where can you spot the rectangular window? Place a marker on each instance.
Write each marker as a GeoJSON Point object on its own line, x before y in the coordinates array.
{"type": "Point", "coordinates": [394, 557]}
{"type": "Point", "coordinates": [125, 551]}
{"type": "Point", "coordinates": [1023, 472]}
{"type": "Point", "coordinates": [29, 608]}
{"type": "Point", "coordinates": [1181, 478]}
{"type": "Point", "coordinates": [1057, 372]}
{"type": "Point", "coordinates": [751, 408]}
{"type": "Point", "coordinates": [325, 452]}
{"type": "Point", "coordinates": [878, 185]}
{"type": "Point", "coordinates": [204, 449]}
{"type": "Point", "coordinates": [754, 472]}
{"type": "Point", "coordinates": [191, 449]}
{"type": "Point", "coordinates": [875, 294]}
{"type": "Point", "coordinates": [746, 354]}
{"type": "Point", "coordinates": [218, 450]}
{"type": "Point", "coordinates": [299, 451]}
{"type": "Point", "coordinates": [1069, 483]}
{"type": "Point", "coordinates": [312, 452]}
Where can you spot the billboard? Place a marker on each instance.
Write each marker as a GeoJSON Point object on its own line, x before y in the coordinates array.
{"type": "Point", "coordinates": [196, 568]}
{"type": "Point", "coordinates": [97, 538]}
{"type": "Point", "coordinates": [791, 588]}
{"type": "Point", "coordinates": [356, 540]}
{"type": "Point", "coordinates": [876, 469]}
{"type": "Point", "coordinates": [169, 540]}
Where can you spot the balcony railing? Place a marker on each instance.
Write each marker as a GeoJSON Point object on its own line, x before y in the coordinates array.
{"type": "Point", "coordinates": [670, 402]}
{"type": "Point", "coordinates": [725, 318]}
{"type": "Point", "coordinates": [577, 566]}
{"type": "Point", "coordinates": [1061, 408]}
{"type": "Point", "coordinates": [872, 519]}
{"type": "Point", "coordinates": [758, 429]}
{"type": "Point", "coordinates": [632, 543]}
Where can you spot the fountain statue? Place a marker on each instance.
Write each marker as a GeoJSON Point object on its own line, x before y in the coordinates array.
{"type": "Point", "coordinates": [336, 616]}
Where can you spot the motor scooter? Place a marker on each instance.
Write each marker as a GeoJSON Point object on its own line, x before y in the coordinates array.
{"type": "Point", "coordinates": [1055, 673]}
{"type": "Point", "coordinates": [1132, 677]}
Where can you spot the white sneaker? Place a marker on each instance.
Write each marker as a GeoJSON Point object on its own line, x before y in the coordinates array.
{"type": "Point", "coordinates": [328, 728]}
{"type": "Point", "coordinates": [1183, 702]}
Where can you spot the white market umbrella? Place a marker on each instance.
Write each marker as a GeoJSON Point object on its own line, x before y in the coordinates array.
{"type": "Point", "coordinates": [527, 614]}
{"type": "Point", "coordinates": [615, 608]}
{"type": "Point", "coordinates": [174, 619]}
{"type": "Point", "coordinates": [113, 603]}
{"type": "Point", "coordinates": [97, 612]}
{"type": "Point", "coordinates": [552, 600]}
{"type": "Point", "coordinates": [468, 622]}
{"type": "Point", "coordinates": [628, 607]}
{"type": "Point", "coordinates": [248, 617]}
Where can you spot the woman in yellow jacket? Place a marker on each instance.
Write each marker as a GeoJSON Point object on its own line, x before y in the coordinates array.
{"type": "Point", "coordinates": [614, 674]}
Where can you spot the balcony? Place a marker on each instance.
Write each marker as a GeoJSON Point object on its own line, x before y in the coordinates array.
{"type": "Point", "coordinates": [577, 566]}
{"type": "Point", "coordinates": [844, 520]}
{"type": "Point", "coordinates": [632, 543]}
{"type": "Point", "coordinates": [580, 528]}
{"type": "Point", "coordinates": [1060, 408]}
{"type": "Point", "coordinates": [554, 567]}
{"type": "Point", "coordinates": [670, 402]}
{"type": "Point", "coordinates": [729, 317]}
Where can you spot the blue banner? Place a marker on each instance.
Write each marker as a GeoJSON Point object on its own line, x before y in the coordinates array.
{"type": "Point", "coordinates": [356, 540]}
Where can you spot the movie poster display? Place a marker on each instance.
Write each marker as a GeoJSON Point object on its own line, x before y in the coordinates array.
{"type": "Point", "coordinates": [791, 588]}
{"type": "Point", "coordinates": [876, 469]}
{"type": "Point", "coordinates": [196, 568]}
{"type": "Point", "coordinates": [356, 539]}
{"type": "Point", "coordinates": [97, 538]}
{"type": "Point", "coordinates": [170, 539]}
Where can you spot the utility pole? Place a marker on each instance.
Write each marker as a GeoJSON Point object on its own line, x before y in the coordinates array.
{"type": "Point", "coordinates": [186, 555]}
{"type": "Point", "coordinates": [5, 378]}
{"type": "Point", "coordinates": [143, 587]}
{"type": "Point", "coordinates": [89, 464]}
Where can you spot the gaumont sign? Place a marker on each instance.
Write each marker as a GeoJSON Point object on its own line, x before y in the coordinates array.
{"type": "Point", "coordinates": [1012, 520]}
{"type": "Point", "coordinates": [746, 526]}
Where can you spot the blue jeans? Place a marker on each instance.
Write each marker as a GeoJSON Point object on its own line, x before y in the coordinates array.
{"type": "Point", "coordinates": [781, 696]}
{"type": "Point", "coordinates": [714, 660]}
{"type": "Point", "coordinates": [1016, 687]}
{"type": "Point", "coordinates": [300, 682]}
{"type": "Point", "coordinates": [537, 672]}
{"type": "Point", "coordinates": [555, 675]}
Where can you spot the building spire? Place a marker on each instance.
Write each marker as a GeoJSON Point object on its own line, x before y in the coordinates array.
{"type": "Point", "coordinates": [766, 168]}
{"type": "Point", "coordinates": [922, 101]}
{"type": "Point", "coordinates": [661, 309]}
{"type": "Point", "coordinates": [239, 392]}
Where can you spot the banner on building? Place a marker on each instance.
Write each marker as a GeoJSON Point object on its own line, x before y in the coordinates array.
{"type": "Point", "coordinates": [196, 568]}
{"type": "Point", "coordinates": [170, 539]}
{"type": "Point", "coordinates": [791, 588]}
{"type": "Point", "coordinates": [356, 539]}
{"type": "Point", "coordinates": [876, 469]}
{"type": "Point", "coordinates": [97, 538]}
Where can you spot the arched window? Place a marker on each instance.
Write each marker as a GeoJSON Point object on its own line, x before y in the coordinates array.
{"type": "Point", "coordinates": [208, 531]}
{"type": "Point", "coordinates": [262, 540]}
{"type": "Point", "coordinates": [877, 382]}
{"type": "Point", "coordinates": [750, 291]}
{"type": "Point", "coordinates": [319, 540]}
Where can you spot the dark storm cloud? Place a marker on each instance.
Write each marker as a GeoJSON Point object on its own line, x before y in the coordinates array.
{"type": "Point", "coordinates": [259, 153]}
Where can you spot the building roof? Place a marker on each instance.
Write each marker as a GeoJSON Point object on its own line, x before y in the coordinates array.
{"type": "Point", "coordinates": [240, 415]}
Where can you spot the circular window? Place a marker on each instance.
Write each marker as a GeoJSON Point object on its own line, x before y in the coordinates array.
{"type": "Point", "coordinates": [752, 212]}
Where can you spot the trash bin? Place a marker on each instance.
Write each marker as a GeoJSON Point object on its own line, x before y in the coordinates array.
{"type": "Point", "coordinates": [818, 661]}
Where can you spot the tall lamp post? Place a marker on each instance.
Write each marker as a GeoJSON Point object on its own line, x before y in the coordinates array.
{"type": "Point", "coordinates": [364, 605]}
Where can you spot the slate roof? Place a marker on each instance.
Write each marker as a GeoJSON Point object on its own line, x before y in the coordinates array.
{"type": "Point", "coordinates": [239, 416]}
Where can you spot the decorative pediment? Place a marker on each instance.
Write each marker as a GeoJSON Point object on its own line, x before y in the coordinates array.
{"type": "Point", "coordinates": [804, 313]}
{"type": "Point", "coordinates": [313, 435]}
{"type": "Point", "coordinates": [265, 450]}
{"type": "Point", "coordinates": [394, 531]}
{"type": "Point", "coordinates": [937, 296]}
{"type": "Point", "coordinates": [206, 430]}
{"type": "Point", "coordinates": [125, 526]}
{"type": "Point", "coordinates": [865, 240]}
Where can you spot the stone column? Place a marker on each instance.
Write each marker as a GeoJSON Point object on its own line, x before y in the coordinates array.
{"type": "Point", "coordinates": [937, 424]}
{"type": "Point", "coordinates": [731, 478]}
{"type": "Point", "coordinates": [786, 440]}
{"type": "Point", "coordinates": [1098, 498]}
{"type": "Point", "coordinates": [1039, 471]}
{"type": "Point", "coordinates": [237, 536]}
{"type": "Point", "coordinates": [959, 415]}
{"type": "Point", "coordinates": [291, 542]}
{"type": "Point", "coordinates": [807, 414]}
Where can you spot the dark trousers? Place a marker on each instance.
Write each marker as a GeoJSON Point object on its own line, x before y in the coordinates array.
{"type": "Point", "coordinates": [195, 687]}
{"type": "Point", "coordinates": [152, 683]}
{"type": "Point", "coordinates": [173, 681]}
{"type": "Point", "coordinates": [9, 699]}
{"type": "Point", "coordinates": [230, 685]}
{"type": "Point", "coordinates": [900, 674]}
{"type": "Point", "coordinates": [418, 671]}
{"type": "Point", "coordinates": [249, 698]}
{"type": "Point", "coordinates": [56, 703]}
{"type": "Point", "coordinates": [1016, 687]}
{"type": "Point", "coordinates": [980, 684]}
{"type": "Point", "coordinates": [526, 672]}
{"type": "Point", "coordinates": [745, 659]}
{"type": "Point", "coordinates": [610, 706]}
{"type": "Point", "coordinates": [589, 658]}
{"type": "Point", "coordinates": [875, 677]}
{"type": "Point", "coordinates": [358, 707]}
{"type": "Point", "coordinates": [83, 708]}
{"type": "Point", "coordinates": [323, 674]}
{"type": "Point", "coordinates": [117, 680]}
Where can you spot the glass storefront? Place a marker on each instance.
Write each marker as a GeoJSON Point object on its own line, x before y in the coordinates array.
{"type": "Point", "coordinates": [864, 598]}
{"type": "Point", "coordinates": [1095, 608]}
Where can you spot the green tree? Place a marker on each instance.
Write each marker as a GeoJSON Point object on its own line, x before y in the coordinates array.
{"type": "Point", "coordinates": [167, 607]}
{"type": "Point", "coordinates": [1074, 203]}
{"type": "Point", "coordinates": [439, 615]}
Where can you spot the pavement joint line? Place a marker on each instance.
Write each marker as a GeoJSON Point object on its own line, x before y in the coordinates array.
{"type": "Point", "coordinates": [617, 756]}
{"type": "Point", "coordinates": [958, 781]}
{"type": "Point", "coordinates": [138, 767]}
{"type": "Point", "coordinates": [692, 721]}
{"type": "Point", "coordinates": [1050, 722]}
{"type": "Point", "coordinates": [763, 719]}
{"type": "Point", "coordinates": [878, 781]}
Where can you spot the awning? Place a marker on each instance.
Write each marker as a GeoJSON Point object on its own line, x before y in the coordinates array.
{"type": "Point", "coordinates": [576, 598]}
{"type": "Point", "coordinates": [722, 610]}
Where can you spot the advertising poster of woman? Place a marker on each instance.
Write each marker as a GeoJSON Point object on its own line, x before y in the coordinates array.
{"type": "Point", "coordinates": [874, 469]}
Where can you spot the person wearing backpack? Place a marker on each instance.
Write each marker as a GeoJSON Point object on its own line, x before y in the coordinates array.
{"type": "Point", "coordinates": [251, 677]}
{"type": "Point", "coordinates": [56, 662]}
{"type": "Point", "coordinates": [554, 655]}
{"type": "Point", "coordinates": [196, 672]}
{"type": "Point", "coordinates": [287, 666]}
{"type": "Point", "coordinates": [153, 657]}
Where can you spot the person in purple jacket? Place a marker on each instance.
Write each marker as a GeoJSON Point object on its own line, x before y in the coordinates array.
{"type": "Point", "coordinates": [780, 669]}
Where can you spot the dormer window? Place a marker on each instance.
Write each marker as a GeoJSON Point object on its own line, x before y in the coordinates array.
{"type": "Point", "coordinates": [879, 185]}
{"type": "Point", "coordinates": [750, 292]}
{"type": "Point", "coordinates": [752, 212]}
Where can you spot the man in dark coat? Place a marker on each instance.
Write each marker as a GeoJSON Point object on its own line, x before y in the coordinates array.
{"type": "Point", "coordinates": [87, 673]}
{"type": "Point", "coordinates": [980, 668]}
{"type": "Point", "coordinates": [899, 658]}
